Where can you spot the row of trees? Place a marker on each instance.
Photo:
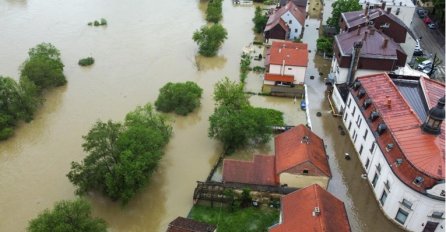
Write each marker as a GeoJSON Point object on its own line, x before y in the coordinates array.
{"type": "Point", "coordinates": [260, 19]}
{"type": "Point", "coordinates": [235, 122]}
{"type": "Point", "coordinates": [19, 100]}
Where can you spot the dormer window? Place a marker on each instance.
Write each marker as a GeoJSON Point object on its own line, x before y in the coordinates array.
{"type": "Point", "coordinates": [381, 128]}
{"type": "Point", "coordinates": [367, 103]}
{"type": "Point", "coordinates": [374, 115]}
{"type": "Point", "coordinates": [418, 180]}
{"type": "Point", "coordinates": [356, 85]}
{"type": "Point", "coordinates": [389, 146]}
{"type": "Point", "coordinates": [361, 93]}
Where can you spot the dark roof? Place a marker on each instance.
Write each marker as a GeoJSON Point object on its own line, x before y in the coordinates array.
{"type": "Point", "coordinates": [258, 171]}
{"type": "Point", "coordinates": [297, 212]}
{"type": "Point", "coordinates": [301, 3]}
{"type": "Point", "coordinates": [423, 154]}
{"type": "Point", "coordinates": [181, 224]}
{"type": "Point", "coordinates": [291, 150]}
{"type": "Point", "coordinates": [372, 44]}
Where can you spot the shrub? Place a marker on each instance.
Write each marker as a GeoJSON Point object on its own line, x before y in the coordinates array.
{"type": "Point", "coordinates": [210, 39]}
{"type": "Point", "coordinates": [259, 20]}
{"type": "Point", "coordinates": [86, 61]}
{"type": "Point", "coordinates": [214, 11]}
{"type": "Point", "coordinates": [182, 98]}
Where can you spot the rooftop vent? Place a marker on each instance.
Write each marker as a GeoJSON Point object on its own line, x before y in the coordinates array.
{"type": "Point", "coordinates": [399, 161]}
{"type": "Point", "coordinates": [367, 103]}
{"type": "Point", "coordinates": [316, 211]}
{"type": "Point", "coordinates": [305, 139]}
{"type": "Point", "coordinates": [374, 115]}
{"type": "Point", "coordinates": [361, 93]}
{"type": "Point", "coordinates": [381, 128]}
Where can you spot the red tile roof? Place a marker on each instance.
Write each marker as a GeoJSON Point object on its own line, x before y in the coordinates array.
{"type": "Point", "coordinates": [423, 153]}
{"type": "Point", "coordinates": [291, 151]}
{"type": "Point", "coordinates": [372, 46]}
{"type": "Point", "coordinates": [278, 77]}
{"type": "Point", "coordinates": [275, 17]}
{"type": "Point", "coordinates": [181, 224]}
{"type": "Point", "coordinates": [275, 22]}
{"type": "Point", "coordinates": [297, 212]}
{"type": "Point", "coordinates": [288, 53]}
{"type": "Point", "coordinates": [258, 171]}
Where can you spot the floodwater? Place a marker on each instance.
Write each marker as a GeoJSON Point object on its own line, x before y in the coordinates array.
{"type": "Point", "coordinates": [146, 44]}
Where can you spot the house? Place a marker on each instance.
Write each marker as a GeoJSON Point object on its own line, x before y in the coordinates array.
{"type": "Point", "coordinates": [259, 171]}
{"type": "Point", "coordinates": [383, 20]}
{"type": "Point", "coordinates": [299, 161]}
{"type": "Point", "coordinates": [181, 224]}
{"type": "Point", "coordinates": [396, 126]}
{"type": "Point", "coordinates": [286, 63]}
{"type": "Point", "coordinates": [311, 209]}
{"type": "Point", "coordinates": [402, 9]}
{"type": "Point", "coordinates": [301, 4]}
{"type": "Point", "coordinates": [285, 23]}
{"type": "Point", "coordinates": [364, 51]}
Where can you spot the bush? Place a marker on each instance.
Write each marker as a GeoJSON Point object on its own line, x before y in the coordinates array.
{"type": "Point", "coordinates": [258, 69]}
{"type": "Point", "coordinates": [325, 45]}
{"type": "Point", "coordinates": [214, 11]}
{"type": "Point", "coordinates": [210, 39]}
{"type": "Point", "coordinates": [259, 20]}
{"type": "Point", "coordinates": [97, 23]}
{"type": "Point", "coordinates": [103, 22]}
{"type": "Point", "coordinates": [86, 61]}
{"type": "Point", "coordinates": [182, 98]}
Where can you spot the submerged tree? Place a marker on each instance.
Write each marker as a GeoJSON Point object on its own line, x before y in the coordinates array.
{"type": "Point", "coordinates": [260, 20]}
{"type": "Point", "coordinates": [210, 39]}
{"type": "Point", "coordinates": [122, 157]}
{"type": "Point", "coordinates": [74, 216]}
{"type": "Point", "coordinates": [44, 66]}
{"type": "Point", "coordinates": [182, 98]}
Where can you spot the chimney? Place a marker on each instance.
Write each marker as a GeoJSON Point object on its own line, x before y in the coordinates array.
{"type": "Point", "coordinates": [316, 211]}
{"type": "Point", "coordinates": [366, 10]}
{"type": "Point", "coordinates": [365, 35]}
{"type": "Point", "coordinates": [389, 9]}
{"type": "Point", "coordinates": [383, 5]}
{"type": "Point", "coordinates": [354, 62]}
{"type": "Point", "coordinates": [385, 43]}
{"type": "Point", "coordinates": [359, 30]}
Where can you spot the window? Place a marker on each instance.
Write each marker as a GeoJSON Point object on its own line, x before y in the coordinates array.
{"type": "Point", "coordinates": [367, 163]}
{"type": "Point", "coordinates": [375, 179]}
{"type": "Point", "coordinates": [349, 126]}
{"type": "Point", "coordinates": [437, 214]}
{"type": "Point", "coordinates": [407, 204]}
{"type": "Point", "coordinates": [401, 216]}
{"type": "Point", "coordinates": [290, 21]}
{"type": "Point", "coordinates": [354, 134]}
{"type": "Point", "coordinates": [354, 111]}
{"type": "Point", "coordinates": [360, 149]}
{"type": "Point", "coordinates": [373, 147]}
{"type": "Point", "coordinates": [359, 123]}
{"type": "Point", "coordinates": [349, 101]}
{"type": "Point", "coordinates": [378, 168]}
{"type": "Point", "coordinates": [345, 116]}
{"type": "Point", "coordinates": [305, 171]}
{"type": "Point", "coordinates": [383, 198]}
{"type": "Point", "coordinates": [295, 30]}
{"type": "Point", "coordinates": [387, 185]}
{"type": "Point", "coordinates": [365, 134]}
{"type": "Point", "coordinates": [289, 68]}
{"type": "Point", "coordinates": [354, 139]}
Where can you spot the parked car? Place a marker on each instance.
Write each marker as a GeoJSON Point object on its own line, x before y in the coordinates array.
{"type": "Point", "coordinates": [432, 26]}
{"type": "Point", "coordinates": [427, 70]}
{"type": "Point", "coordinates": [421, 13]}
{"type": "Point", "coordinates": [418, 52]}
{"type": "Point", "coordinates": [425, 64]}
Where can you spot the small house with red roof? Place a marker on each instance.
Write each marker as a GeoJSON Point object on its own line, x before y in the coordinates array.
{"type": "Point", "coordinates": [286, 63]}
{"type": "Point", "coordinates": [299, 161]}
{"type": "Point", "coordinates": [396, 125]}
{"type": "Point", "coordinates": [311, 209]}
{"type": "Point", "coordinates": [285, 23]}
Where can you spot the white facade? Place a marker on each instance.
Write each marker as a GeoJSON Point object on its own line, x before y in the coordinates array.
{"type": "Point", "coordinates": [341, 74]}
{"type": "Point", "coordinates": [296, 71]}
{"type": "Point", "coordinates": [403, 9]}
{"type": "Point", "coordinates": [413, 209]}
{"type": "Point", "coordinates": [293, 24]}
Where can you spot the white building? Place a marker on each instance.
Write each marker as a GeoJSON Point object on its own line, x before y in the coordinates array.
{"type": "Point", "coordinates": [289, 16]}
{"type": "Point", "coordinates": [400, 143]}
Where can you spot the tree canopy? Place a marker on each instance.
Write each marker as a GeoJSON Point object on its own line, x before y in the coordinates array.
{"type": "Point", "coordinates": [73, 216]}
{"type": "Point", "coordinates": [210, 39]}
{"type": "Point", "coordinates": [122, 156]}
{"type": "Point", "coordinates": [214, 11]}
{"type": "Point", "coordinates": [235, 122]}
{"type": "Point", "coordinates": [182, 98]}
{"type": "Point", "coordinates": [44, 66]}
{"type": "Point", "coordinates": [325, 45]}
{"type": "Point", "coordinates": [341, 6]}
{"type": "Point", "coordinates": [18, 101]}
{"type": "Point", "coordinates": [259, 20]}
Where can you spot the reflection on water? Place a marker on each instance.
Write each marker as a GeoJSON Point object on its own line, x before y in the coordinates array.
{"type": "Point", "coordinates": [208, 63]}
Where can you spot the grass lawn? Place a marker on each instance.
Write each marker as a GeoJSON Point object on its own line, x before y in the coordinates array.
{"type": "Point", "coordinates": [248, 219]}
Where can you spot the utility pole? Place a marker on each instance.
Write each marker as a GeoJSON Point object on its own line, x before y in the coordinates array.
{"type": "Point", "coordinates": [435, 62]}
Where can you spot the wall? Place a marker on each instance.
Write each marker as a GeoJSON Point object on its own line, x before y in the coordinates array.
{"type": "Point", "coordinates": [297, 72]}
{"type": "Point", "coordinates": [422, 206]}
{"type": "Point", "coordinates": [342, 73]}
{"type": "Point", "coordinates": [302, 181]}
{"type": "Point", "coordinates": [337, 100]}
{"type": "Point", "coordinates": [287, 17]}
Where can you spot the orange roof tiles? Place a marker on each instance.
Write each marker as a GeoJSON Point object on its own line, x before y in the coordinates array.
{"type": "Point", "coordinates": [288, 53]}
{"type": "Point", "coordinates": [423, 153]}
{"type": "Point", "coordinates": [278, 77]}
{"type": "Point", "coordinates": [297, 212]}
{"type": "Point", "coordinates": [258, 171]}
{"type": "Point", "coordinates": [291, 151]}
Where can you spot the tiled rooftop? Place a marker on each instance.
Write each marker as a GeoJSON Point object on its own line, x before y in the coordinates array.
{"type": "Point", "coordinates": [288, 53]}
{"type": "Point", "coordinates": [258, 171]}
